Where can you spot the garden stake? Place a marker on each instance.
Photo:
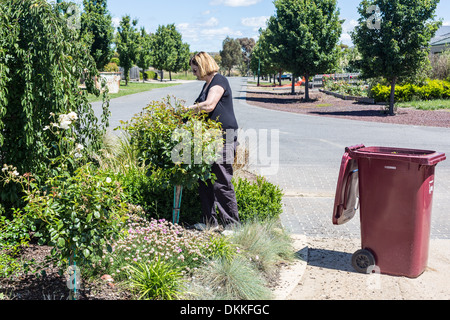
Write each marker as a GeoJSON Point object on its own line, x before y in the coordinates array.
{"type": "Point", "coordinates": [73, 281]}
{"type": "Point", "coordinates": [177, 193]}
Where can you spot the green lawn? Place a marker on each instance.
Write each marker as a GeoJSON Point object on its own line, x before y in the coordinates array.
{"type": "Point", "coordinates": [133, 87]}
{"type": "Point", "coordinates": [426, 105]}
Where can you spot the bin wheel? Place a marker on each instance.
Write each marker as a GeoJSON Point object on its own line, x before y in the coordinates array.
{"type": "Point", "coordinates": [362, 260]}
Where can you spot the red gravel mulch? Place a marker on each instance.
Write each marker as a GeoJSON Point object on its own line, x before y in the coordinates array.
{"type": "Point", "coordinates": [329, 106]}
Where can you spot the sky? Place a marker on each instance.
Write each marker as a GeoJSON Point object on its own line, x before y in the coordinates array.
{"type": "Point", "coordinates": [204, 24]}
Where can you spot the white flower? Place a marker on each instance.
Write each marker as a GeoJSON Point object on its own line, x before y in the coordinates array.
{"type": "Point", "coordinates": [46, 128]}
{"type": "Point", "coordinates": [77, 155]}
{"type": "Point", "coordinates": [108, 180]}
{"type": "Point", "coordinates": [15, 173]}
{"type": "Point", "coordinates": [72, 116]}
{"type": "Point", "coordinates": [65, 124]}
{"type": "Point", "coordinates": [79, 147]}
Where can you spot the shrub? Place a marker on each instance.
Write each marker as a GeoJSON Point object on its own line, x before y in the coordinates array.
{"type": "Point", "coordinates": [111, 67]}
{"type": "Point", "coordinates": [79, 208]}
{"type": "Point", "coordinates": [432, 89]}
{"type": "Point", "coordinates": [13, 237]}
{"type": "Point", "coordinates": [176, 145]}
{"type": "Point", "coordinates": [261, 199]}
{"type": "Point", "coordinates": [145, 241]}
{"type": "Point", "coordinates": [156, 197]}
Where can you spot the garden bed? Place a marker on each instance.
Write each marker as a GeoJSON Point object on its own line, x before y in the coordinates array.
{"type": "Point", "coordinates": [347, 97]}
{"type": "Point", "coordinates": [325, 105]}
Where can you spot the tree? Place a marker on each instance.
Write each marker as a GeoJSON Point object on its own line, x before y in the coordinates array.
{"type": "Point", "coordinates": [41, 63]}
{"type": "Point", "coordinates": [231, 54]}
{"type": "Point", "coordinates": [305, 33]}
{"type": "Point", "coordinates": [394, 44]}
{"type": "Point", "coordinates": [262, 58]}
{"type": "Point", "coordinates": [247, 45]}
{"type": "Point", "coordinates": [144, 57]}
{"type": "Point", "coordinates": [184, 54]}
{"type": "Point", "coordinates": [169, 53]}
{"type": "Point", "coordinates": [96, 22]}
{"type": "Point", "coordinates": [127, 44]}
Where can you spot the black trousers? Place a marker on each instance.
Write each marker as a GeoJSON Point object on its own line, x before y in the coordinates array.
{"type": "Point", "coordinates": [221, 193]}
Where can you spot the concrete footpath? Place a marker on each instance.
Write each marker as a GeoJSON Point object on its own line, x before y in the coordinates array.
{"type": "Point", "coordinates": [323, 271]}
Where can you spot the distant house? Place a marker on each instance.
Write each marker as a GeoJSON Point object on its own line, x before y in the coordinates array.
{"type": "Point", "coordinates": [441, 40]}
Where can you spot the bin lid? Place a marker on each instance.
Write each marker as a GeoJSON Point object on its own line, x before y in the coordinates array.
{"type": "Point", "coordinates": [423, 157]}
{"type": "Point", "coordinates": [346, 201]}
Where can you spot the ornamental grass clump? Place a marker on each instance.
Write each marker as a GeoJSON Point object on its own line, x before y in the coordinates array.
{"type": "Point", "coordinates": [155, 280]}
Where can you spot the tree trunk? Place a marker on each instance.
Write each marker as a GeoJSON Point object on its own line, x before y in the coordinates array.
{"type": "Point", "coordinates": [170, 75]}
{"type": "Point", "coordinates": [307, 87]}
{"type": "Point", "coordinates": [162, 75]}
{"type": "Point", "coordinates": [279, 77]}
{"type": "Point", "coordinates": [392, 97]}
{"type": "Point", "coordinates": [293, 84]}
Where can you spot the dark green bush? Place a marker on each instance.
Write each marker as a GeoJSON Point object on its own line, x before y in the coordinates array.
{"type": "Point", "coordinates": [261, 200]}
{"type": "Point", "coordinates": [258, 200]}
{"type": "Point", "coordinates": [156, 197]}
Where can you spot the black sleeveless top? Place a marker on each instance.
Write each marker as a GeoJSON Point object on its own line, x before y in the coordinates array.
{"type": "Point", "coordinates": [224, 111]}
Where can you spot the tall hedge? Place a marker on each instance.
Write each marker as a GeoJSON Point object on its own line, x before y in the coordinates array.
{"type": "Point", "coordinates": [42, 60]}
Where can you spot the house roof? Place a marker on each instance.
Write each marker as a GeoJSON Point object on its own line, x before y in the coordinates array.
{"type": "Point", "coordinates": [442, 37]}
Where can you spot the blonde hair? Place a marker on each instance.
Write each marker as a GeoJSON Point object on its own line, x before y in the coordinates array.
{"type": "Point", "coordinates": [205, 63]}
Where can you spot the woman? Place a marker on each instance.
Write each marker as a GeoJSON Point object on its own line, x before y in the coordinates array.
{"type": "Point", "coordinates": [216, 99]}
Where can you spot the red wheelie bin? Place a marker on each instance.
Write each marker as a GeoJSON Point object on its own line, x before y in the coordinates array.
{"type": "Point", "coordinates": [393, 189]}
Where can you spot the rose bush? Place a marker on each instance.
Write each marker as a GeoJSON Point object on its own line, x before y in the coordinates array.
{"type": "Point", "coordinates": [78, 208]}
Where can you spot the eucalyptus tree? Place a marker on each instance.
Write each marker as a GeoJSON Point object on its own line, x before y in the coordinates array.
{"type": "Point", "coordinates": [231, 54]}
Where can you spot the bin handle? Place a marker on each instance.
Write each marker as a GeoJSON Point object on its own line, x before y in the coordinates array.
{"type": "Point", "coordinates": [355, 147]}
{"type": "Point", "coordinates": [347, 189]}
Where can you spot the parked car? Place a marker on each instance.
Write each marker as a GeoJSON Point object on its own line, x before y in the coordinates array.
{"type": "Point", "coordinates": [285, 77]}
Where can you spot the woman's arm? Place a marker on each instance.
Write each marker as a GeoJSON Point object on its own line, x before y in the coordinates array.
{"type": "Point", "coordinates": [214, 95]}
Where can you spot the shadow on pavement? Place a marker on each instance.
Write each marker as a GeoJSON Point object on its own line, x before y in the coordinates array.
{"type": "Point", "coordinates": [330, 259]}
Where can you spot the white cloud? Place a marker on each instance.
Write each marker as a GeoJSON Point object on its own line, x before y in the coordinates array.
{"type": "Point", "coordinates": [211, 22]}
{"type": "Point", "coordinates": [346, 39]}
{"type": "Point", "coordinates": [197, 33]}
{"type": "Point", "coordinates": [220, 33]}
{"type": "Point", "coordinates": [255, 22]}
{"type": "Point", "coordinates": [347, 27]}
{"type": "Point", "coordinates": [116, 22]}
{"type": "Point", "coordinates": [446, 23]}
{"type": "Point", "coordinates": [235, 3]}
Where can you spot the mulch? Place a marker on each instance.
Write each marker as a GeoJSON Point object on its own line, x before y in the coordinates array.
{"type": "Point", "coordinates": [47, 283]}
{"type": "Point", "coordinates": [325, 105]}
